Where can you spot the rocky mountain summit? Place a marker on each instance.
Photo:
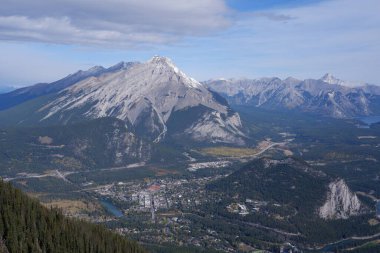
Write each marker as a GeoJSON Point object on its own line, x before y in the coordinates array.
{"type": "Point", "coordinates": [155, 97]}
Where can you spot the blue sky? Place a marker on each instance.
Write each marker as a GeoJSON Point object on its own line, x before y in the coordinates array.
{"type": "Point", "coordinates": [249, 5]}
{"type": "Point", "coordinates": [44, 40]}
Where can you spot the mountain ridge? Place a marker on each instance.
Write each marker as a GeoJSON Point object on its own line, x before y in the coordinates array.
{"type": "Point", "coordinates": [327, 95]}
{"type": "Point", "coordinates": [21, 95]}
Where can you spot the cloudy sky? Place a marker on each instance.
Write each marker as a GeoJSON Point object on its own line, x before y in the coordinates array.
{"type": "Point", "coordinates": [44, 40]}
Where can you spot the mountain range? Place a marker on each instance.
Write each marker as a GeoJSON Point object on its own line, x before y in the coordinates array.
{"type": "Point", "coordinates": [327, 96]}
{"type": "Point", "coordinates": [158, 101]}
{"type": "Point", "coordinates": [148, 123]}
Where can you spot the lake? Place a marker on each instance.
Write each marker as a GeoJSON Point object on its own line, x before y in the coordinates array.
{"type": "Point", "coordinates": [111, 208]}
{"type": "Point", "coordinates": [368, 120]}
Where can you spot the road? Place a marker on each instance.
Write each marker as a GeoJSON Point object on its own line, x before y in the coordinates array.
{"type": "Point", "coordinates": [368, 237]}
{"type": "Point", "coordinates": [368, 195]}
{"type": "Point", "coordinates": [54, 173]}
{"type": "Point", "coordinates": [62, 175]}
{"type": "Point", "coordinates": [278, 231]}
{"type": "Point", "coordinates": [269, 147]}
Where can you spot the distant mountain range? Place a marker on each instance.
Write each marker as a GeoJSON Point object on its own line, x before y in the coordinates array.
{"type": "Point", "coordinates": [159, 101]}
{"type": "Point", "coordinates": [326, 96]}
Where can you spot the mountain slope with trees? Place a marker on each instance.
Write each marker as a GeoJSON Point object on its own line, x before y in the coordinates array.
{"type": "Point", "coordinates": [27, 226]}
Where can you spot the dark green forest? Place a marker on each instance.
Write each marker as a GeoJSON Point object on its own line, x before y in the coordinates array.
{"type": "Point", "coordinates": [27, 226]}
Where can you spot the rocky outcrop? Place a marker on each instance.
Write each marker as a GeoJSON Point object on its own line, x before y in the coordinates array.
{"type": "Point", "coordinates": [341, 203]}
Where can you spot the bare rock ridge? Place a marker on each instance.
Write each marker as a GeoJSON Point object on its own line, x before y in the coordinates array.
{"type": "Point", "coordinates": [24, 94]}
{"type": "Point", "coordinates": [341, 203]}
{"type": "Point", "coordinates": [327, 95]}
{"type": "Point", "coordinates": [147, 94]}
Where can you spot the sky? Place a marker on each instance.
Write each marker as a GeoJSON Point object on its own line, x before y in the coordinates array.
{"type": "Point", "coordinates": [45, 40]}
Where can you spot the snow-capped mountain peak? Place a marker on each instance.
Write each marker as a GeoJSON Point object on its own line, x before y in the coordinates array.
{"type": "Point", "coordinates": [147, 94]}
{"type": "Point", "coordinates": [330, 79]}
{"type": "Point", "coordinates": [161, 63]}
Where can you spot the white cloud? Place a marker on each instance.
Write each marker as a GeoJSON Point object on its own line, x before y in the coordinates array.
{"type": "Point", "coordinates": [114, 22]}
{"type": "Point", "coordinates": [204, 36]}
{"type": "Point", "coordinates": [340, 36]}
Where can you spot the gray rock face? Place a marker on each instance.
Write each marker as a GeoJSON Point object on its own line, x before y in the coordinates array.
{"type": "Point", "coordinates": [327, 96]}
{"type": "Point", "coordinates": [146, 94]}
{"type": "Point", "coordinates": [341, 203]}
{"type": "Point", "coordinates": [212, 127]}
{"type": "Point", "coordinates": [22, 95]}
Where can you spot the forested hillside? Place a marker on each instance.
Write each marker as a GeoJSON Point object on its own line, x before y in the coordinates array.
{"type": "Point", "coordinates": [27, 226]}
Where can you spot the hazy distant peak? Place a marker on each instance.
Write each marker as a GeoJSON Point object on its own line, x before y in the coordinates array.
{"type": "Point", "coordinates": [269, 79]}
{"type": "Point", "coordinates": [291, 80]}
{"type": "Point", "coordinates": [329, 78]}
{"type": "Point", "coordinates": [121, 65]}
{"type": "Point", "coordinates": [96, 68]}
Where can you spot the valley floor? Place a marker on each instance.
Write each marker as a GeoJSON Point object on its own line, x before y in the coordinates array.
{"type": "Point", "coordinates": [168, 203]}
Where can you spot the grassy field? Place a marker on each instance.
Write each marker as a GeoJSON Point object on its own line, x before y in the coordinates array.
{"type": "Point", "coordinates": [229, 151]}
{"type": "Point", "coordinates": [73, 207]}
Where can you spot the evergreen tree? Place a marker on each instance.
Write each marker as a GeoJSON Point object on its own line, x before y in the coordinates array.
{"type": "Point", "coordinates": [28, 227]}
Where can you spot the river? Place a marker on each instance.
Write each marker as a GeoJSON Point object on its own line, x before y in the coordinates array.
{"type": "Point", "coordinates": [111, 208]}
